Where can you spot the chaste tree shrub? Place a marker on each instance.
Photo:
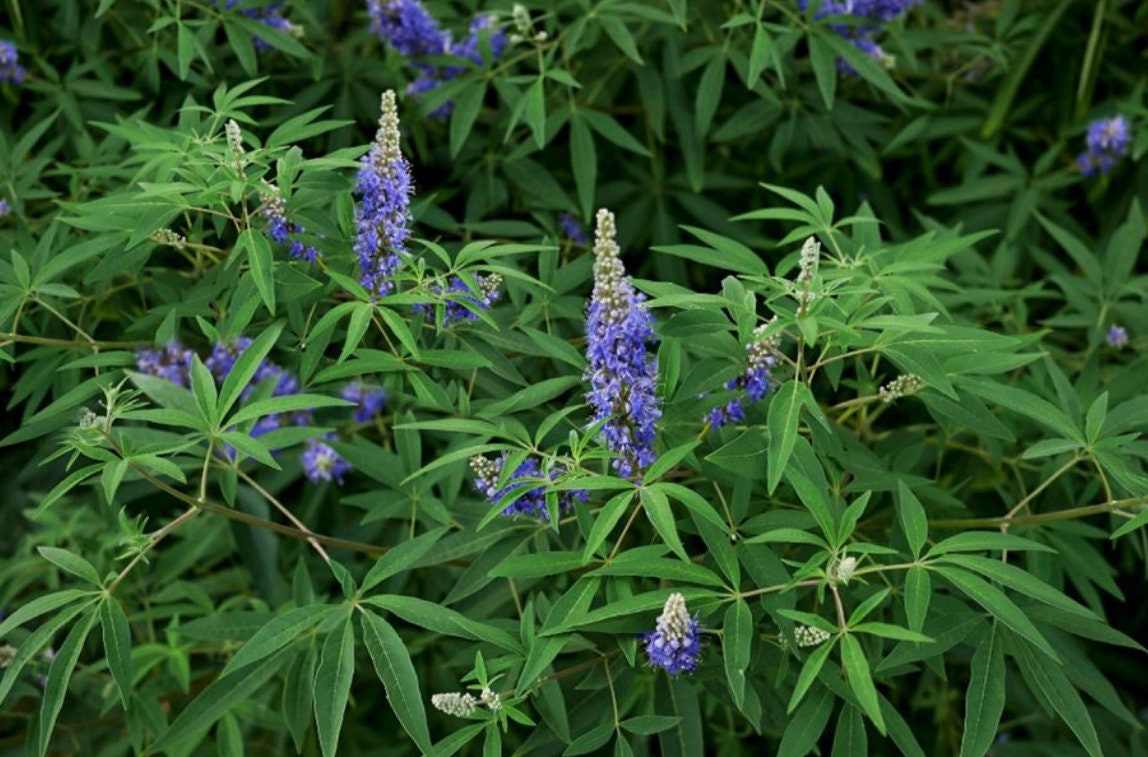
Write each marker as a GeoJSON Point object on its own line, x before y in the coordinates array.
{"type": "Point", "coordinates": [578, 377]}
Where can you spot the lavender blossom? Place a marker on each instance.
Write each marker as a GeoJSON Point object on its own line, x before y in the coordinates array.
{"type": "Point", "coordinates": [280, 229]}
{"type": "Point", "coordinates": [754, 382]}
{"type": "Point", "coordinates": [406, 26]}
{"type": "Point", "coordinates": [1107, 141]}
{"type": "Point", "coordinates": [872, 13]}
{"type": "Point", "coordinates": [622, 374]}
{"type": "Point", "coordinates": [222, 361]}
{"type": "Point", "coordinates": [573, 229]}
{"type": "Point", "coordinates": [533, 501]}
{"type": "Point", "coordinates": [456, 309]}
{"type": "Point", "coordinates": [674, 644]}
{"type": "Point", "coordinates": [270, 15]}
{"type": "Point", "coordinates": [5, 208]}
{"type": "Point", "coordinates": [370, 400]}
{"type": "Point", "coordinates": [383, 213]}
{"type": "Point", "coordinates": [1117, 337]}
{"type": "Point", "coordinates": [321, 463]}
{"type": "Point", "coordinates": [173, 363]}
{"type": "Point", "coordinates": [11, 72]}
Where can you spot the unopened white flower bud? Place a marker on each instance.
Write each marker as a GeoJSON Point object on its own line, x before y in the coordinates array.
{"type": "Point", "coordinates": [454, 703]}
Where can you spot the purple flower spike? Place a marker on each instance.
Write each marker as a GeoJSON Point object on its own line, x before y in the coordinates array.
{"type": "Point", "coordinates": [674, 643]}
{"type": "Point", "coordinates": [11, 72]}
{"type": "Point", "coordinates": [1107, 142]}
{"type": "Point", "coordinates": [370, 400]}
{"type": "Point", "coordinates": [755, 382]}
{"type": "Point", "coordinates": [533, 501]}
{"type": "Point", "coordinates": [280, 229]}
{"type": "Point", "coordinates": [321, 463]}
{"type": "Point", "coordinates": [572, 228]}
{"type": "Point", "coordinates": [173, 363]}
{"type": "Point", "coordinates": [382, 216]}
{"type": "Point", "coordinates": [622, 374]}
{"type": "Point", "coordinates": [406, 26]}
{"type": "Point", "coordinates": [456, 310]}
{"type": "Point", "coordinates": [1117, 337]}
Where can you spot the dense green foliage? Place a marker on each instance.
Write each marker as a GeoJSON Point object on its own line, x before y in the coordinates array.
{"type": "Point", "coordinates": [928, 538]}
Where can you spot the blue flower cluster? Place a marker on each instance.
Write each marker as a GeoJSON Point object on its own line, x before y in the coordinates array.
{"type": "Point", "coordinates": [674, 643]}
{"type": "Point", "coordinates": [1107, 141]}
{"type": "Point", "coordinates": [407, 27]}
{"type": "Point", "coordinates": [872, 13]}
{"type": "Point", "coordinates": [532, 502]}
{"type": "Point", "coordinates": [321, 463]}
{"type": "Point", "coordinates": [173, 363]}
{"type": "Point", "coordinates": [283, 231]}
{"type": "Point", "coordinates": [1117, 337]}
{"type": "Point", "coordinates": [572, 228]}
{"type": "Point", "coordinates": [368, 399]}
{"type": "Point", "coordinates": [270, 14]}
{"type": "Point", "coordinates": [622, 374]}
{"type": "Point", "coordinates": [383, 212]}
{"type": "Point", "coordinates": [5, 208]}
{"type": "Point", "coordinates": [754, 382]}
{"type": "Point", "coordinates": [457, 309]}
{"type": "Point", "coordinates": [11, 72]}
{"type": "Point", "coordinates": [222, 360]}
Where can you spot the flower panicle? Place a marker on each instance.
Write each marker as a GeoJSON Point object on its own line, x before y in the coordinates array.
{"type": "Point", "coordinates": [281, 230]}
{"type": "Point", "coordinates": [456, 309]}
{"type": "Point", "coordinates": [382, 215]}
{"type": "Point", "coordinates": [755, 382]}
{"type": "Point", "coordinates": [674, 644]}
{"type": "Point", "coordinates": [621, 372]}
{"type": "Point", "coordinates": [11, 72]}
{"type": "Point", "coordinates": [1107, 142]}
{"type": "Point", "coordinates": [532, 501]}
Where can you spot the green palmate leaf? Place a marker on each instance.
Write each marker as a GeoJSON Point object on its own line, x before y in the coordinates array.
{"type": "Point", "coordinates": [809, 671]}
{"type": "Point", "coordinates": [604, 524]}
{"type": "Point", "coordinates": [71, 563]}
{"type": "Point", "coordinates": [1025, 403]}
{"type": "Point", "coordinates": [393, 666]}
{"type": "Point", "coordinates": [658, 511]}
{"type": "Point", "coordinates": [59, 674]}
{"type": "Point", "coordinates": [245, 367]}
{"type": "Point", "coordinates": [117, 645]}
{"type": "Point", "coordinates": [912, 517]}
{"type": "Point", "coordinates": [824, 66]}
{"type": "Point", "coordinates": [262, 263]}
{"type": "Point", "coordinates": [998, 605]}
{"type": "Point", "coordinates": [278, 633]}
{"type": "Point", "coordinates": [584, 162]}
{"type": "Point", "coordinates": [668, 460]}
{"type": "Point", "coordinates": [737, 639]}
{"type": "Point", "coordinates": [401, 557]}
{"type": "Point", "coordinates": [219, 698]}
{"type": "Point", "coordinates": [665, 569]}
{"type": "Point", "coordinates": [860, 680]}
{"type": "Point", "coordinates": [987, 541]}
{"type": "Point", "coordinates": [40, 606]}
{"type": "Point", "coordinates": [435, 617]}
{"type": "Point", "coordinates": [333, 685]}
{"type": "Point", "coordinates": [807, 724]}
{"type": "Point", "coordinates": [467, 104]}
{"type": "Point", "coordinates": [850, 739]}
{"type": "Point", "coordinates": [985, 697]}
{"type": "Point", "coordinates": [918, 586]}
{"type": "Point", "coordinates": [783, 417]}
{"type": "Point", "coordinates": [1058, 691]}
{"type": "Point", "coordinates": [1020, 580]}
